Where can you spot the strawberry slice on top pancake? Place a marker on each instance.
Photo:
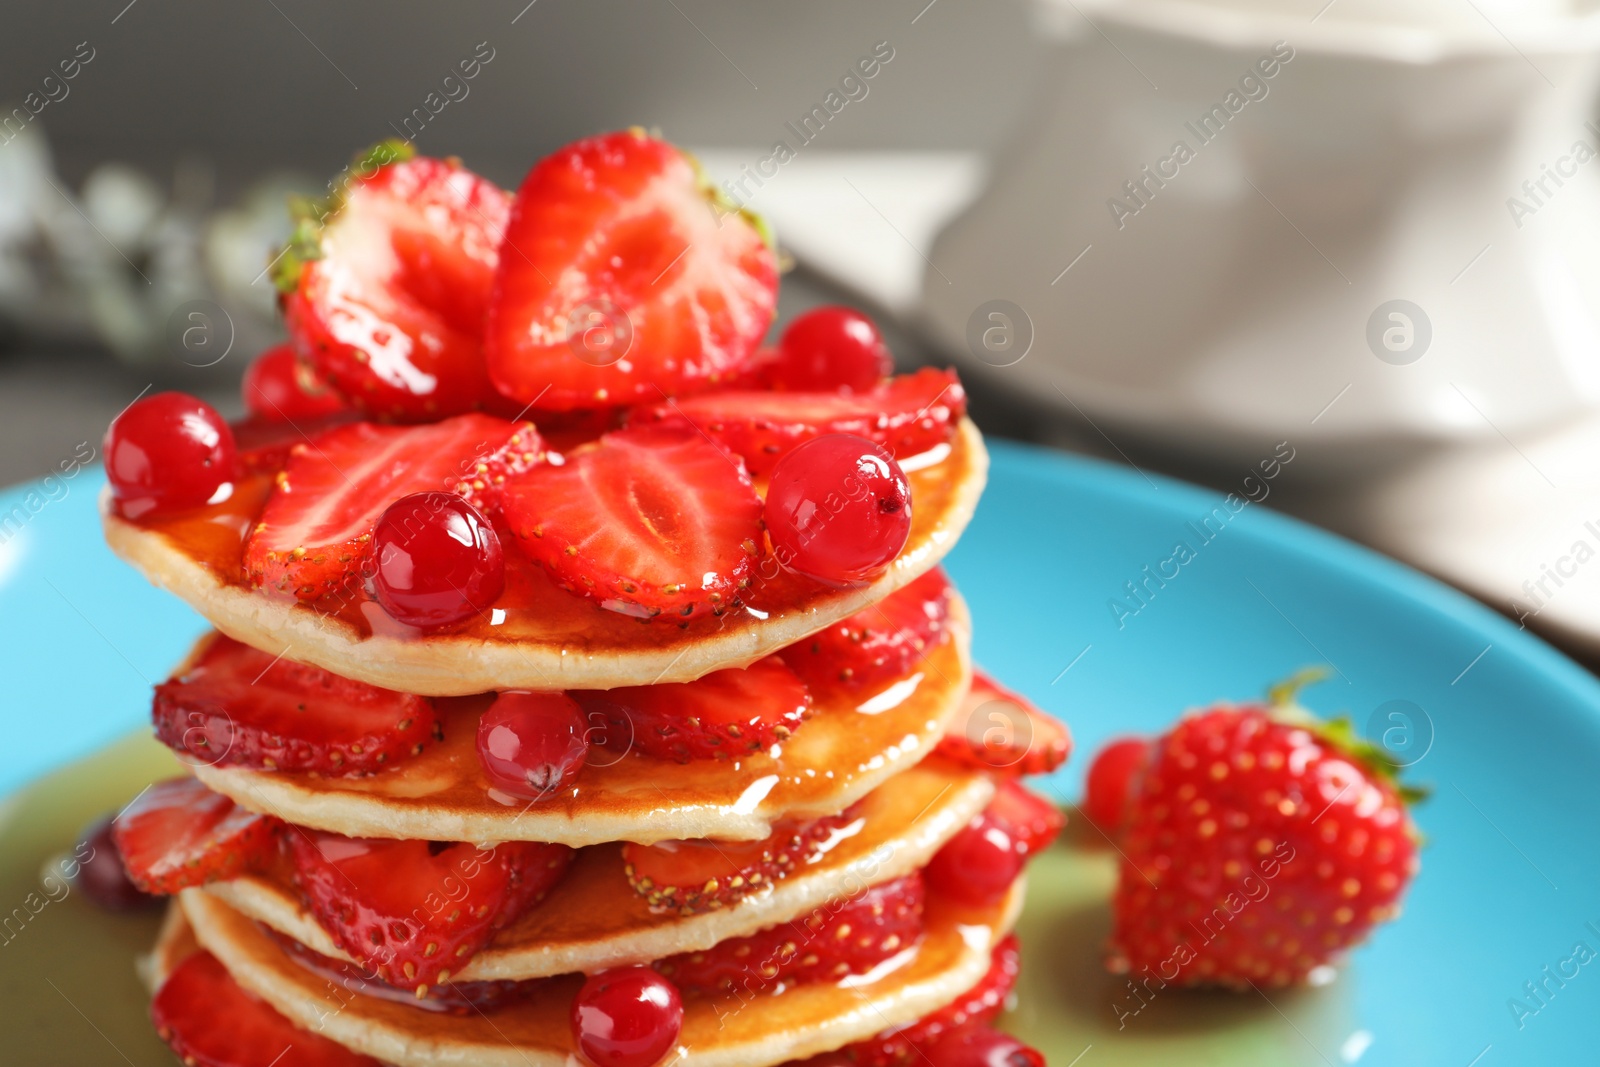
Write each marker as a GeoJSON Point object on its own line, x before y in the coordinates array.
{"type": "Point", "coordinates": [624, 279]}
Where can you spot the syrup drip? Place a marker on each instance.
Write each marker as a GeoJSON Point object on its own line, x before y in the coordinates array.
{"type": "Point", "coordinates": [533, 608]}
{"type": "Point", "coordinates": [839, 754]}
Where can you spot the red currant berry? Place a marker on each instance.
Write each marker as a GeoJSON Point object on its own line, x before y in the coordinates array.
{"type": "Point", "coordinates": [1105, 794]}
{"type": "Point", "coordinates": [978, 865]}
{"type": "Point", "coordinates": [168, 453]}
{"type": "Point", "coordinates": [101, 875]}
{"type": "Point", "coordinates": [529, 742]}
{"type": "Point", "coordinates": [436, 561]}
{"type": "Point", "coordinates": [280, 388]}
{"type": "Point", "coordinates": [979, 1046]}
{"type": "Point", "coordinates": [830, 349]}
{"type": "Point", "coordinates": [629, 1017]}
{"type": "Point", "coordinates": [838, 509]}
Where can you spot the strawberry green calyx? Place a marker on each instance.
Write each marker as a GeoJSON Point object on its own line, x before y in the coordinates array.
{"type": "Point", "coordinates": [391, 150]}
{"type": "Point", "coordinates": [304, 244]}
{"type": "Point", "coordinates": [311, 214]}
{"type": "Point", "coordinates": [1339, 734]}
{"type": "Point", "coordinates": [723, 205]}
{"type": "Point", "coordinates": [1283, 694]}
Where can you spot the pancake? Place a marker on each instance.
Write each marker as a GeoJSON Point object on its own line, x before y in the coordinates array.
{"type": "Point", "coordinates": [538, 636]}
{"type": "Point", "coordinates": [593, 919]}
{"type": "Point", "coordinates": [762, 1029]}
{"type": "Point", "coordinates": [844, 751]}
{"type": "Point", "coordinates": [174, 943]}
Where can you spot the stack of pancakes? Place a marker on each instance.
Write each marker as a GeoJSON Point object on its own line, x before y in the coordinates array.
{"type": "Point", "coordinates": [865, 758]}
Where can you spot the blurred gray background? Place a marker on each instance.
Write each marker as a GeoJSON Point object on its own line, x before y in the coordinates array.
{"type": "Point", "coordinates": [234, 92]}
{"type": "Point", "coordinates": [290, 83]}
{"type": "Point", "coordinates": [155, 178]}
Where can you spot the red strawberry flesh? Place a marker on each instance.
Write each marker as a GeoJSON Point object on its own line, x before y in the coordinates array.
{"type": "Point", "coordinates": [624, 279]}
{"type": "Point", "coordinates": [648, 522]}
{"type": "Point", "coordinates": [455, 997]}
{"type": "Point", "coordinates": [978, 1005]}
{"type": "Point", "coordinates": [841, 938]}
{"type": "Point", "coordinates": [387, 289]}
{"type": "Point", "coordinates": [1001, 730]}
{"type": "Point", "coordinates": [1033, 822]}
{"type": "Point", "coordinates": [279, 388]}
{"type": "Point", "coordinates": [1257, 847]}
{"type": "Point", "coordinates": [178, 833]}
{"type": "Point", "coordinates": [907, 415]}
{"type": "Point", "coordinates": [414, 911]}
{"type": "Point", "coordinates": [239, 706]}
{"type": "Point", "coordinates": [697, 876]}
{"type": "Point", "coordinates": [264, 445]}
{"type": "Point", "coordinates": [211, 1021]}
{"type": "Point", "coordinates": [312, 536]}
{"type": "Point", "coordinates": [878, 644]}
{"type": "Point", "coordinates": [724, 715]}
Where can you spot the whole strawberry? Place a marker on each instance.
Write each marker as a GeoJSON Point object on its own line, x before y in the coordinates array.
{"type": "Point", "coordinates": [1258, 844]}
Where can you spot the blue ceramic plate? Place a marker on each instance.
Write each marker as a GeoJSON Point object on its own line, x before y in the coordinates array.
{"type": "Point", "coordinates": [1484, 966]}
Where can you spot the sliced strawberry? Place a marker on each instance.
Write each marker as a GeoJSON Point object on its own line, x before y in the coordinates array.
{"type": "Point", "coordinates": [1000, 730]}
{"type": "Point", "coordinates": [878, 644]}
{"type": "Point", "coordinates": [413, 911]}
{"type": "Point", "coordinates": [312, 535]}
{"type": "Point", "coordinates": [1033, 821]}
{"type": "Point", "coordinates": [178, 833]}
{"type": "Point", "coordinates": [979, 1045]}
{"type": "Point", "coordinates": [278, 387]}
{"type": "Point", "coordinates": [574, 428]}
{"type": "Point", "coordinates": [696, 876]}
{"type": "Point", "coordinates": [725, 714]}
{"type": "Point", "coordinates": [264, 445]}
{"type": "Point", "coordinates": [646, 521]}
{"type": "Point", "coordinates": [490, 471]}
{"type": "Point", "coordinates": [386, 284]}
{"type": "Point", "coordinates": [980, 1004]}
{"type": "Point", "coordinates": [908, 415]}
{"type": "Point", "coordinates": [757, 372]}
{"type": "Point", "coordinates": [843, 937]}
{"type": "Point", "coordinates": [631, 279]}
{"type": "Point", "coordinates": [241, 707]}
{"type": "Point", "coordinates": [211, 1021]}
{"type": "Point", "coordinates": [455, 997]}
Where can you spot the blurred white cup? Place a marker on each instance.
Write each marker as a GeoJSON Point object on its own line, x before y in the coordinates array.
{"type": "Point", "coordinates": [1339, 258]}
